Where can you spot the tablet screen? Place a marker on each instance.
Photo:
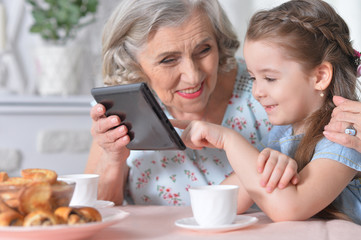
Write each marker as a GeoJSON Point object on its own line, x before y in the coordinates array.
{"type": "Point", "coordinates": [149, 127]}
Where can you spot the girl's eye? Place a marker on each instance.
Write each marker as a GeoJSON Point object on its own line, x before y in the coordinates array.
{"type": "Point", "coordinates": [270, 79]}
{"type": "Point", "coordinates": [251, 78]}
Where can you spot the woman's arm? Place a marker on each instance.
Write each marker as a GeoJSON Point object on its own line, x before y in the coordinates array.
{"type": "Point", "coordinates": [112, 174]}
{"type": "Point", "coordinates": [321, 181]}
{"type": "Point", "coordinates": [345, 114]}
{"type": "Point", "coordinates": [108, 155]}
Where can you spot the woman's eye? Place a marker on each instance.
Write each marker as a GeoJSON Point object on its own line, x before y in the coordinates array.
{"type": "Point", "coordinates": [167, 60]}
{"type": "Point", "coordinates": [205, 50]}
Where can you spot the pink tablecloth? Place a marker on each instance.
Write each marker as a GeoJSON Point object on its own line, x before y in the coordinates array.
{"type": "Point", "coordinates": [157, 222]}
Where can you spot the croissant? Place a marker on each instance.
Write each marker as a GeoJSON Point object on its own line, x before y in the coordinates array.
{"type": "Point", "coordinates": [35, 196]}
{"type": "Point", "coordinates": [3, 176]}
{"type": "Point", "coordinates": [69, 215]}
{"type": "Point", "coordinates": [40, 218]}
{"type": "Point", "coordinates": [73, 216]}
{"type": "Point", "coordinates": [91, 214]}
{"type": "Point", "coordinates": [41, 175]}
{"type": "Point", "coordinates": [11, 218]}
{"type": "Point", "coordinates": [15, 181]}
{"type": "Point", "coordinates": [4, 207]}
{"type": "Point", "coordinates": [10, 198]}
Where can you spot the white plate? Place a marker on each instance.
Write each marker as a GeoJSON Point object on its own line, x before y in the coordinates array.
{"type": "Point", "coordinates": [241, 221]}
{"type": "Point", "coordinates": [64, 232]}
{"type": "Point", "coordinates": [99, 204]}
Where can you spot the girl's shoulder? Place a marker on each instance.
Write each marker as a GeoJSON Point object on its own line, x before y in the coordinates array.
{"type": "Point", "coordinates": [280, 138]}
{"type": "Point", "coordinates": [348, 156]}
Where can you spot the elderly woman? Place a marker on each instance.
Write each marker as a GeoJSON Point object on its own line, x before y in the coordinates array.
{"type": "Point", "coordinates": [184, 50]}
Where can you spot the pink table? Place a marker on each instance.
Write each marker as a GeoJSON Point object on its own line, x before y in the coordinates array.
{"type": "Point", "coordinates": [157, 222]}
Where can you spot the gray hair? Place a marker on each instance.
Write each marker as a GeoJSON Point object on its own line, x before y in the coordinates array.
{"type": "Point", "coordinates": [128, 28]}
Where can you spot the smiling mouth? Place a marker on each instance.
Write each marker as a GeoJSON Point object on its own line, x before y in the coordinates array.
{"type": "Point", "coordinates": [269, 107]}
{"type": "Point", "coordinates": [191, 93]}
{"type": "Point", "coordinates": [191, 90]}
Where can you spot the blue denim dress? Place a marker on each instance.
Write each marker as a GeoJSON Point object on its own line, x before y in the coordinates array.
{"type": "Point", "coordinates": [281, 139]}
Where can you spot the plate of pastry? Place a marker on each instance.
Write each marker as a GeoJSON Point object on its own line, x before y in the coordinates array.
{"type": "Point", "coordinates": [109, 216]}
{"type": "Point", "coordinates": [36, 206]}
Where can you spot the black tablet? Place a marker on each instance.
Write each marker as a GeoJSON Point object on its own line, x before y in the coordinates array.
{"type": "Point", "coordinates": [149, 128]}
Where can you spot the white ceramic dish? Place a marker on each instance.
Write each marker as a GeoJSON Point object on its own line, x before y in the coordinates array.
{"type": "Point", "coordinates": [100, 204]}
{"type": "Point", "coordinates": [241, 221]}
{"type": "Point", "coordinates": [64, 232]}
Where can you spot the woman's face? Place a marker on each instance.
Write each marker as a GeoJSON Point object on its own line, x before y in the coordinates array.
{"type": "Point", "coordinates": [182, 65]}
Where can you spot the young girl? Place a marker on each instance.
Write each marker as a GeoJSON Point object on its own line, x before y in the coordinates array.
{"type": "Point", "coordinates": [299, 55]}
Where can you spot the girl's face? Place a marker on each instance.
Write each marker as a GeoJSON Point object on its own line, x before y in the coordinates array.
{"type": "Point", "coordinates": [182, 65]}
{"type": "Point", "coordinates": [279, 84]}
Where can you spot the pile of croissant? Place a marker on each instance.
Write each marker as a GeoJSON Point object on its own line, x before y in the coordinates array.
{"type": "Point", "coordinates": [34, 202]}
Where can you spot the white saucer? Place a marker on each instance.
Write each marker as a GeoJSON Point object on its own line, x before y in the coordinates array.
{"type": "Point", "coordinates": [99, 204]}
{"type": "Point", "coordinates": [103, 204]}
{"type": "Point", "coordinates": [241, 221]}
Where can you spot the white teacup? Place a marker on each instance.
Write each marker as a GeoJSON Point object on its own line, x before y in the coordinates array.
{"type": "Point", "coordinates": [86, 188]}
{"type": "Point", "coordinates": [214, 205]}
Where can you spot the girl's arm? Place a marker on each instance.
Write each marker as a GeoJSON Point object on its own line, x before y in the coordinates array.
{"type": "Point", "coordinates": [244, 201]}
{"type": "Point", "coordinates": [321, 181]}
{"type": "Point", "coordinates": [276, 171]}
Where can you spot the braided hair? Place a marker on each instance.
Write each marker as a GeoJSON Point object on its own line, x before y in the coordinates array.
{"type": "Point", "coordinates": [311, 32]}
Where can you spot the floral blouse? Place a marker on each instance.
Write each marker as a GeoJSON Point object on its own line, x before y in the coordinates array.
{"type": "Point", "coordinates": [164, 177]}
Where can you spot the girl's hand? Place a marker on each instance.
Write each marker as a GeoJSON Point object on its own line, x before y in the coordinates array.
{"type": "Point", "coordinates": [345, 114]}
{"type": "Point", "coordinates": [277, 169]}
{"type": "Point", "coordinates": [199, 134]}
{"type": "Point", "coordinates": [108, 133]}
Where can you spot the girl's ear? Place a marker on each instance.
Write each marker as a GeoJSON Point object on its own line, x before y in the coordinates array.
{"type": "Point", "coordinates": [323, 76]}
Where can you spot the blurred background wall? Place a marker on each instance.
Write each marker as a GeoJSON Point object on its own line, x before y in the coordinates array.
{"type": "Point", "coordinates": [53, 131]}
{"type": "Point", "coordinates": [24, 42]}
